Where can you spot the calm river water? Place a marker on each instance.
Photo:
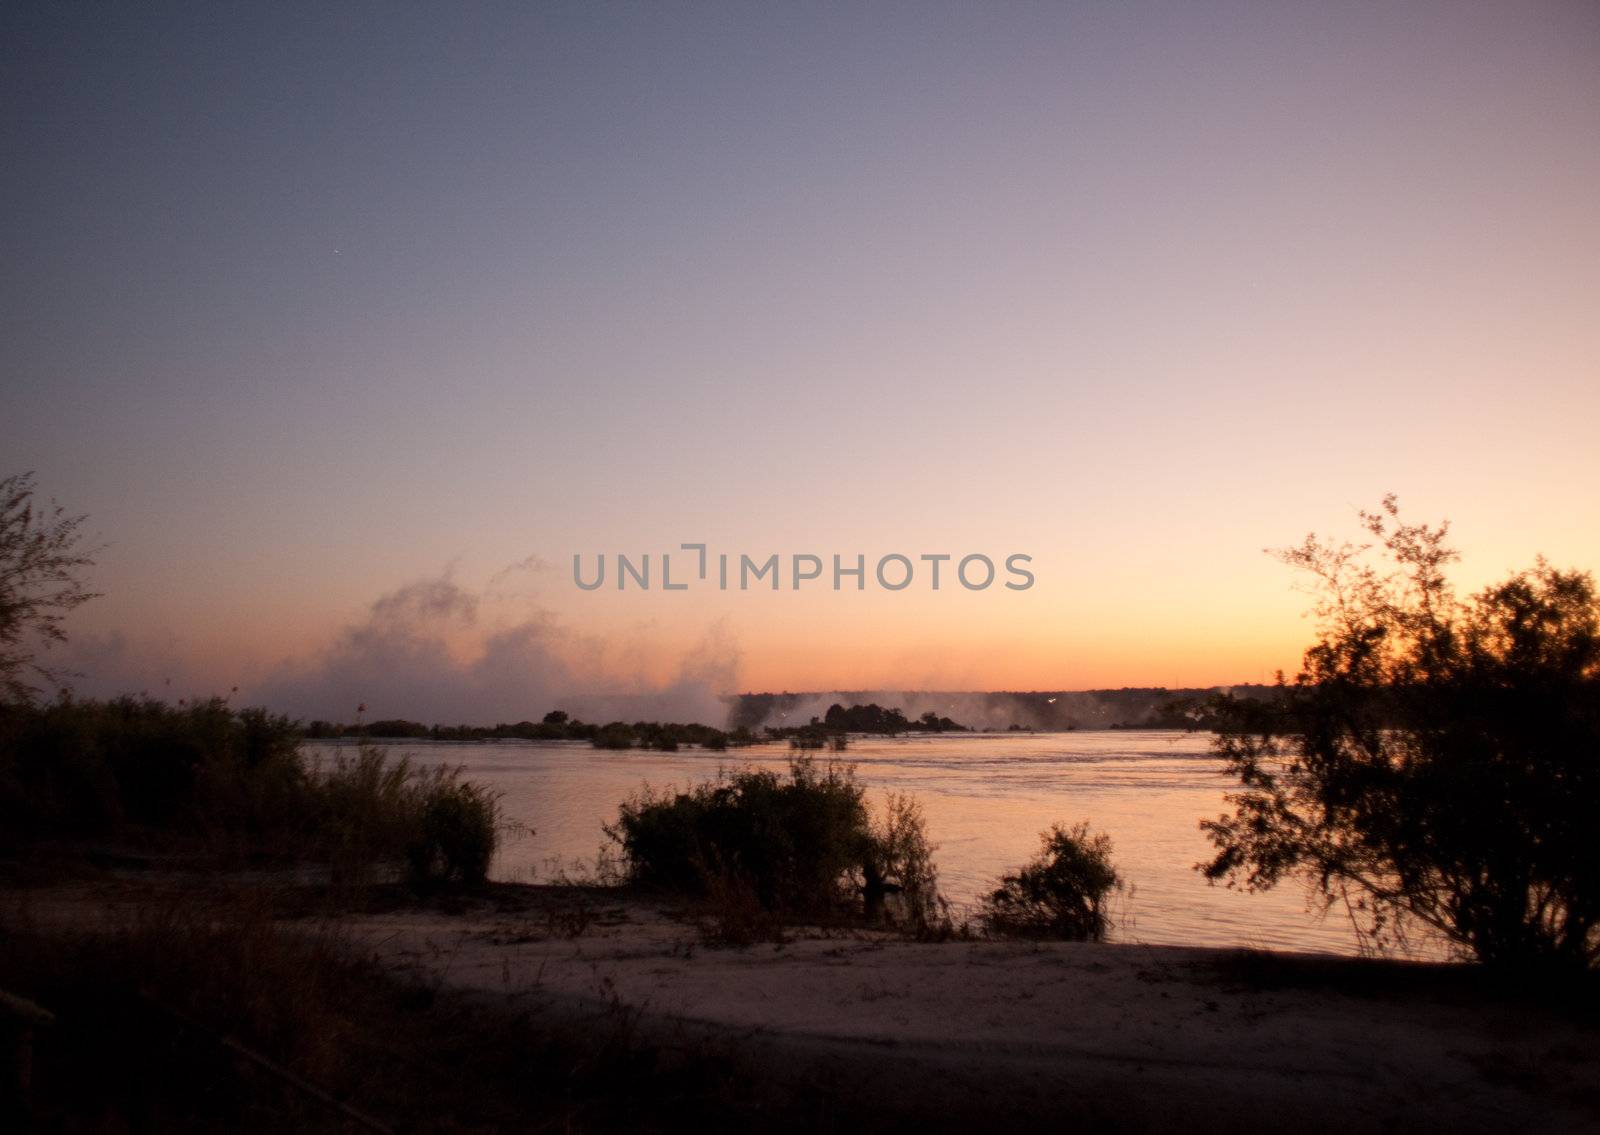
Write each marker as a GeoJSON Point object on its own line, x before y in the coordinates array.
{"type": "Point", "coordinates": [986, 797]}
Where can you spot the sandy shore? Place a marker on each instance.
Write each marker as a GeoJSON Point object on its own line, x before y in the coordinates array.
{"type": "Point", "coordinates": [1118, 1036]}
{"type": "Point", "coordinates": [980, 1034]}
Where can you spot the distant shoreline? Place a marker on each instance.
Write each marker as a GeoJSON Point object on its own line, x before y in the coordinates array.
{"type": "Point", "coordinates": [969, 734]}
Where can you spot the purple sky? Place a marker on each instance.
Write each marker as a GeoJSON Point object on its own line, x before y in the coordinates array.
{"type": "Point", "coordinates": [311, 306]}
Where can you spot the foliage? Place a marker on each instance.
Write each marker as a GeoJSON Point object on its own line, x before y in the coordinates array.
{"type": "Point", "coordinates": [455, 832]}
{"type": "Point", "coordinates": [366, 811]}
{"type": "Point", "coordinates": [733, 915]}
{"type": "Point", "coordinates": [41, 561]}
{"type": "Point", "coordinates": [803, 844]}
{"type": "Point", "coordinates": [874, 718]}
{"type": "Point", "coordinates": [1062, 893]}
{"type": "Point", "coordinates": [236, 782]}
{"type": "Point", "coordinates": [556, 725]}
{"type": "Point", "coordinates": [813, 738]}
{"type": "Point", "coordinates": [1434, 763]}
{"type": "Point", "coordinates": [186, 1014]}
{"type": "Point", "coordinates": [1126, 708]}
{"type": "Point", "coordinates": [90, 767]}
{"type": "Point", "coordinates": [617, 735]}
{"type": "Point", "coordinates": [899, 862]}
{"type": "Point", "coordinates": [665, 736]}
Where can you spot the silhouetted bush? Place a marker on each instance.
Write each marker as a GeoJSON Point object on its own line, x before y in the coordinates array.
{"type": "Point", "coordinates": [456, 832]}
{"type": "Point", "coordinates": [236, 783]}
{"type": "Point", "coordinates": [82, 768]}
{"type": "Point", "coordinates": [898, 870]}
{"type": "Point", "coordinates": [734, 915]}
{"type": "Point", "coordinates": [1061, 894]}
{"type": "Point", "coordinates": [367, 812]}
{"type": "Point", "coordinates": [801, 844]}
{"type": "Point", "coordinates": [1434, 762]}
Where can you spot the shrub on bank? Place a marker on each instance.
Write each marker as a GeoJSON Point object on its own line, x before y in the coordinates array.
{"type": "Point", "coordinates": [455, 833]}
{"type": "Point", "coordinates": [1062, 893]}
{"type": "Point", "coordinates": [374, 811]}
{"type": "Point", "coordinates": [801, 844]}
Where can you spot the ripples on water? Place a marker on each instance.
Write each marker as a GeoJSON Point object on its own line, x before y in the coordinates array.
{"type": "Point", "coordinates": [986, 796]}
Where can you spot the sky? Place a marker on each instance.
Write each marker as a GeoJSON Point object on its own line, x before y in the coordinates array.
{"type": "Point", "coordinates": [349, 325]}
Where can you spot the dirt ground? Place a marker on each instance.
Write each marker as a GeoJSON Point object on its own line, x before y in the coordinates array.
{"type": "Point", "coordinates": [985, 1034]}
{"type": "Point", "coordinates": [1122, 1036]}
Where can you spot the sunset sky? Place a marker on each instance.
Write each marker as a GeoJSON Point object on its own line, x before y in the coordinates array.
{"type": "Point", "coordinates": [349, 325]}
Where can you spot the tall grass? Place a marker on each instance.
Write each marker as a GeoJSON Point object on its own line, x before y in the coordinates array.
{"type": "Point", "coordinates": [184, 1016]}
{"type": "Point", "coordinates": [234, 783]}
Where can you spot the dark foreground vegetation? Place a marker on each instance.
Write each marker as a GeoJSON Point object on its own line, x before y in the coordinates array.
{"type": "Point", "coordinates": [1435, 765]}
{"type": "Point", "coordinates": [1063, 893]}
{"type": "Point", "coordinates": [197, 1014]}
{"type": "Point", "coordinates": [235, 786]}
{"type": "Point", "coordinates": [766, 848]}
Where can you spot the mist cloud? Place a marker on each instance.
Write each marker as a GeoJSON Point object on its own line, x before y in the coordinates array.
{"type": "Point", "coordinates": [429, 652]}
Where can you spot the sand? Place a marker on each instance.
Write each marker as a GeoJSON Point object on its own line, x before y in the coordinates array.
{"type": "Point", "coordinates": [1106, 1035]}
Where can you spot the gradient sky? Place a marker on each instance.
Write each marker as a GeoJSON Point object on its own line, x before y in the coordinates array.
{"type": "Point", "coordinates": [305, 307]}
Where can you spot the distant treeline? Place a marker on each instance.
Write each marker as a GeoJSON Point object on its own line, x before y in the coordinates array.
{"type": "Point", "coordinates": [1144, 707]}
{"type": "Point", "coordinates": [554, 726]}
{"type": "Point", "coordinates": [557, 725]}
{"type": "Point", "coordinates": [668, 736]}
{"type": "Point", "coordinates": [1153, 707]}
{"type": "Point", "coordinates": [874, 718]}
{"type": "Point", "coordinates": [751, 717]}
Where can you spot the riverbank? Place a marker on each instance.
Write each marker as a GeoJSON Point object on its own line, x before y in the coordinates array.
{"type": "Point", "coordinates": [1128, 1037]}
{"type": "Point", "coordinates": [881, 1033]}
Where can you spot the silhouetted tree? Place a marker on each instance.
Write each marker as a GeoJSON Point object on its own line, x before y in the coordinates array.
{"type": "Point", "coordinates": [1436, 761]}
{"type": "Point", "coordinates": [40, 565]}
